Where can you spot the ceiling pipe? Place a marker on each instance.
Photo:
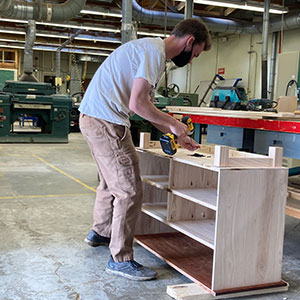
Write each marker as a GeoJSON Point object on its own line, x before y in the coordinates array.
{"type": "Point", "coordinates": [146, 16]}
{"type": "Point", "coordinates": [127, 26]}
{"type": "Point", "coordinates": [58, 81]}
{"type": "Point", "coordinates": [188, 13]}
{"type": "Point", "coordinates": [189, 8]}
{"type": "Point", "coordinates": [273, 64]}
{"type": "Point", "coordinates": [264, 54]}
{"type": "Point", "coordinates": [38, 11]}
{"type": "Point", "coordinates": [28, 53]}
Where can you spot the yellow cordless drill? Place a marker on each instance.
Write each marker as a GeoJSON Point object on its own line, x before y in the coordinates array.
{"type": "Point", "coordinates": [168, 141]}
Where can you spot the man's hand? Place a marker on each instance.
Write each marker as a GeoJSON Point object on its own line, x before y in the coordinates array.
{"type": "Point", "coordinates": [179, 129]}
{"type": "Point", "coordinates": [188, 143]}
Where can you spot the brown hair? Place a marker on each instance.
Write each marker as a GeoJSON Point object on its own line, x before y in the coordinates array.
{"type": "Point", "coordinates": [196, 28]}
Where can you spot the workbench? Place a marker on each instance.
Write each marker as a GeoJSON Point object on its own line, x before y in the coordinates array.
{"type": "Point", "coordinates": [249, 131]}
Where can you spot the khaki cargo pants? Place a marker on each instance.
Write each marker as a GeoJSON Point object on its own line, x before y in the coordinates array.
{"type": "Point", "coordinates": [119, 194]}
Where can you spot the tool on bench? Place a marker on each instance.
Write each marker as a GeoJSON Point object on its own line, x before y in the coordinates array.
{"type": "Point", "coordinates": [169, 141]}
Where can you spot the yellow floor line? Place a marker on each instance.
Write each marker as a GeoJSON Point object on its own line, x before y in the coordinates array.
{"type": "Point", "coordinates": [42, 196]}
{"type": "Point", "coordinates": [64, 173]}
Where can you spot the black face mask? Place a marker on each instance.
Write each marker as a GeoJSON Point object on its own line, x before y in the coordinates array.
{"type": "Point", "coordinates": [183, 58]}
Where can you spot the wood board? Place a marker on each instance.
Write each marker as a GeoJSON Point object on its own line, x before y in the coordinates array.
{"type": "Point", "coordinates": [202, 230]}
{"type": "Point", "coordinates": [207, 111]}
{"type": "Point", "coordinates": [255, 222]}
{"type": "Point", "coordinates": [182, 253]}
{"type": "Point", "coordinates": [193, 291]}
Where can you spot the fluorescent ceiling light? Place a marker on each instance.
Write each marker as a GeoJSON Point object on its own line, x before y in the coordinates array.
{"type": "Point", "coordinates": [105, 29]}
{"type": "Point", "coordinates": [66, 36]}
{"type": "Point", "coordinates": [151, 34]}
{"type": "Point", "coordinates": [100, 13]}
{"type": "Point", "coordinates": [53, 49]}
{"type": "Point", "coordinates": [245, 5]}
{"type": "Point", "coordinates": [12, 31]}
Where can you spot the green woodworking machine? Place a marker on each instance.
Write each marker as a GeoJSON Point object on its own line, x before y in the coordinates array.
{"type": "Point", "coordinates": [38, 101]}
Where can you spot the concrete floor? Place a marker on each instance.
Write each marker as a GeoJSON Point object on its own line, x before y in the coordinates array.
{"type": "Point", "coordinates": [46, 202]}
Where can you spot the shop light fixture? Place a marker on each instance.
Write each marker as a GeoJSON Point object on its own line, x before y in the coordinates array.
{"type": "Point", "coordinates": [245, 5]}
{"type": "Point", "coordinates": [53, 49]}
{"type": "Point", "coordinates": [101, 13]}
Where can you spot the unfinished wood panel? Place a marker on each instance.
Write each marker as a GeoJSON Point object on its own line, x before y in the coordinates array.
{"type": "Point", "coordinates": [202, 231]}
{"type": "Point", "coordinates": [182, 209]}
{"type": "Point", "coordinates": [159, 181]}
{"type": "Point", "coordinates": [153, 164]}
{"type": "Point", "coordinates": [221, 158]}
{"type": "Point", "coordinates": [151, 194]}
{"type": "Point", "coordinates": [246, 162]}
{"type": "Point", "coordinates": [226, 113]}
{"type": "Point", "coordinates": [145, 141]}
{"type": "Point", "coordinates": [193, 291]}
{"type": "Point", "coordinates": [249, 227]}
{"type": "Point", "coordinates": [205, 197]}
{"type": "Point", "coordinates": [276, 154]}
{"type": "Point", "coordinates": [183, 176]}
{"type": "Point", "coordinates": [182, 253]}
{"type": "Point", "coordinates": [156, 210]}
{"type": "Point", "coordinates": [147, 224]}
{"type": "Point", "coordinates": [293, 208]}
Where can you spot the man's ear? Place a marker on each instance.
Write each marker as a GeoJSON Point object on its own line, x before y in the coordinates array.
{"type": "Point", "coordinates": [190, 41]}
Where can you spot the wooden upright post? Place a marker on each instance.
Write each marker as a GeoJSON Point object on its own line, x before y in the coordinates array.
{"type": "Point", "coordinates": [276, 154]}
{"type": "Point", "coordinates": [145, 140]}
{"type": "Point", "coordinates": [221, 157]}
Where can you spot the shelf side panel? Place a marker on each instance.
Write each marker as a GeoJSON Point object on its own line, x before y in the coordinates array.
{"type": "Point", "coordinates": [249, 227]}
{"type": "Point", "coordinates": [153, 164]}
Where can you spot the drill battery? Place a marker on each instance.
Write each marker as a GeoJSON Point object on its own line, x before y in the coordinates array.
{"type": "Point", "coordinates": [168, 143]}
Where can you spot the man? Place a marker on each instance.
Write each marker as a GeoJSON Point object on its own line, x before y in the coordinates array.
{"type": "Point", "coordinates": [123, 84]}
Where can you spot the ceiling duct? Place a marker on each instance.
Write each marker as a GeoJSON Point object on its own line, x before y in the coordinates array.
{"type": "Point", "coordinates": [28, 53]}
{"type": "Point", "coordinates": [147, 16]}
{"type": "Point", "coordinates": [41, 11]}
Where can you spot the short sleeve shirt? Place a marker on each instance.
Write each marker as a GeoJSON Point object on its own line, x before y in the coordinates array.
{"type": "Point", "coordinates": [108, 93]}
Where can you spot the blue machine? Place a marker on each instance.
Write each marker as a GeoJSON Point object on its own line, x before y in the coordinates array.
{"type": "Point", "coordinates": [229, 96]}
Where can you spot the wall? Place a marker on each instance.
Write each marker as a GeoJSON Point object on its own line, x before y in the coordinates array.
{"type": "Point", "coordinates": [232, 53]}
{"type": "Point", "coordinates": [44, 65]}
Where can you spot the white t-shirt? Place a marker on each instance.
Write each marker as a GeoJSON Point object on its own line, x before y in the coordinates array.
{"type": "Point", "coordinates": [108, 93]}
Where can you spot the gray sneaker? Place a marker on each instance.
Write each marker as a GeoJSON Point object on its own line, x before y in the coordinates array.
{"type": "Point", "coordinates": [130, 269]}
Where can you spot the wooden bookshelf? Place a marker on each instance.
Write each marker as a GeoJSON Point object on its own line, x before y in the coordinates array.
{"type": "Point", "coordinates": [231, 215]}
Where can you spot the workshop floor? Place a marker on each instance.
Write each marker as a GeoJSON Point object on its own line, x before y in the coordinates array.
{"type": "Point", "coordinates": [46, 202]}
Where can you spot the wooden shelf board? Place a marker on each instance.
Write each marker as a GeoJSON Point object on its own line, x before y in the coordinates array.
{"type": "Point", "coordinates": [205, 197]}
{"type": "Point", "coordinates": [202, 231]}
{"type": "Point", "coordinates": [157, 211]}
{"type": "Point", "coordinates": [182, 253]}
{"type": "Point", "coordinates": [293, 208]}
{"type": "Point", "coordinates": [159, 181]}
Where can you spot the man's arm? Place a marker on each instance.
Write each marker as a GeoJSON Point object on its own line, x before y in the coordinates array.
{"type": "Point", "coordinates": [139, 103]}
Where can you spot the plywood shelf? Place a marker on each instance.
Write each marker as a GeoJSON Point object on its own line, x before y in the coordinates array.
{"type": "Point", "coordinates": [182, 253]}
{"type": "Point", "coordinates": [293, 208]}
{"type": "Point", "coordinates": [205, 197]}
{"type": "Point", "coordinates": [202, 231]}
{"type": "Point", "coordinates": [159, 181]}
